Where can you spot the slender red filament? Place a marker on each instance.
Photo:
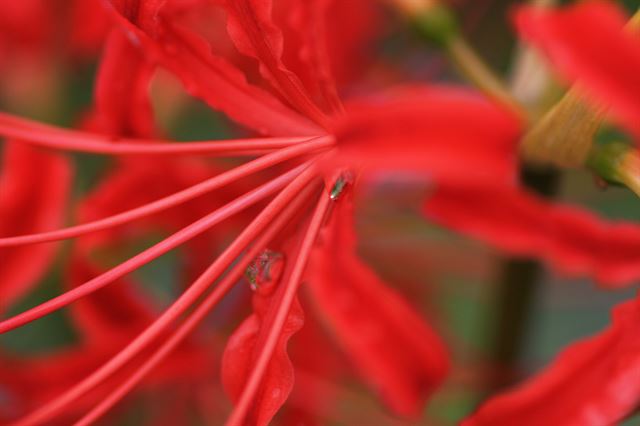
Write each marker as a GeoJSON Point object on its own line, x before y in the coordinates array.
{"type": "Point", "coordinates": [72, 140]}
{"type": "Point", "coordinates": [284, 306]}
{"type": "Point", "coordinates": [178, 308]}
{"type": "Point", "coordinates": [199, 314]}
{"type": "Point", "coordinates": [171, 200]}
{"type": "Point", "coordinates": [151, 253]}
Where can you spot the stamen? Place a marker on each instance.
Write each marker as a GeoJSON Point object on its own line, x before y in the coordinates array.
{"type": "Point", "coordinates": [190, 296]}
{"type": "Point", "coordinates": [287, 296]}
{"type": "Point", "coordinates": [40, 134]}
{"type": "Point", "coordinates": [171, 200]}
{"type": "Point", "coordinates": [200, 313]}
{"type": "Point", "coordinates": [151, 253]}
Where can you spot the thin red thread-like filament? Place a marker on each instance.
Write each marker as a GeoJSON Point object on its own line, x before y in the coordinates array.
{"type": "Point", "coordinates": [151, 253]}
{"type": "Point", "coordinates": [171, 200]}
{"type": "Point", "coordinates": [179, 307]}
{"type": "Point", "coordinates": [199, 314]}
{"type": "Point", "coordinates": [288, 293]}
{"type": "Point", "coordinates": [48, 136]}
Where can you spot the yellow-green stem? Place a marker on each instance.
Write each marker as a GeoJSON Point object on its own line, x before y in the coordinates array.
{"type": "Point", "coordinates": [474, 69]}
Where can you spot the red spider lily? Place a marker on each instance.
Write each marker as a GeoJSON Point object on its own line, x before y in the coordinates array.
{"type": "Point", "coordinates": [256, 361]}
{"type": "Point", "coordinates": [324, 145]}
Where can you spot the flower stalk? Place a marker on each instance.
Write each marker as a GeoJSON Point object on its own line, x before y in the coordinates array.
{"type": "Point", "coordinates": [437, 24]}
{"type": "Point", "coordinates": [564, 135]}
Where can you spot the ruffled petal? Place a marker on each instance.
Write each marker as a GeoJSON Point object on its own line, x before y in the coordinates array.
{"type": "Point", "coordinates": [593, 382]}
{"type": "Point", "coordinates": [570, 239]}
{"type": "Point", "coordinates": [447, 133]}
{"type": "Point", "coordinates": [255, 34]}
{"type": "Point", "coordinates": [34, 189]}
{"type": "Point", "coordinates": [205, 74]}
{"type": "Point", "coordinates": [587, 44]}
{"type": "Point", "coordinates": [243, 347]}
{"type": "Point", "coordinates": [351, 48]}
{"type": "Point", "coordinates": [400, 356]}
{"type": "Point", "coordinates": [122, 103]}
{"type": "Point", "coordinates": [306, 51]}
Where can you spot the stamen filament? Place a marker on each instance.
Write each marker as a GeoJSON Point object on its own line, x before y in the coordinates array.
{"type": "Point", "coordinates": [151, 253]}
{"type": "Point", "coordinates": [171, 200]}
{"type": "Point", "coordinates": [199, 314]}
{"type": "Point", "coordinates": [48, 136]}
{"type": "Point", "coordinates": [190, 296]}
{"type": "Point", "coordinates": [287, 296]}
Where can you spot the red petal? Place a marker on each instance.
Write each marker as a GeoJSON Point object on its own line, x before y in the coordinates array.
{"type": "Point", "coordinates": [445, 132]}
{"type": "Point", "coordinates": [306, 52]}
{"type": "Point", "coordinates": [240, 356]}
{"type": "Point", "coordinates": [328, 41]}
{"type": "Point", "coordinates": [587, 44]}
{"type": "Point", "coordinates": [570, 239]}
{"type": "Point", "coordinates": [254, 33]}
{"type": "Point", "coordinates": [207, 75]}
{"type": "Point", "coordinates": [34, 188]}
{"type": "Point", "coordinates": [123, 107]}
{"type": "Point", "coordinates": [90, 25]}
{"type": "Point", "coordinates": [399, 355]}
{"type": "Point", "coordinates": [351, 49]}
{"type": "Point", "coordinates": [593, 382]}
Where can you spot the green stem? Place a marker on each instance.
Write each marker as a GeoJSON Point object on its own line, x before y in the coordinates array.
{"type": "Point", "coordinates": [438, 25]}
{"type": "Point", "coordinates": [515, 298]}
{"type": "Point", "coordinates": [476, 71]}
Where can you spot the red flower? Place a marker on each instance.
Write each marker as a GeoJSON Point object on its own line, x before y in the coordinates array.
{"type": "Point", "coordinates": [319, 145]}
